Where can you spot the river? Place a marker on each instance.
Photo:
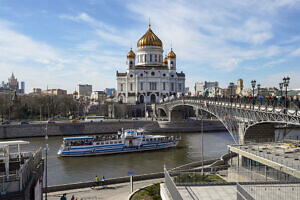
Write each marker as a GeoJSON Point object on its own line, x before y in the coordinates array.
{"type": "Point", "coordinates": [78, 169]}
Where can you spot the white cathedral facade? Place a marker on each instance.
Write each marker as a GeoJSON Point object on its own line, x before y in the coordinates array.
{"type": "Point", "coordinates": [149, 77]}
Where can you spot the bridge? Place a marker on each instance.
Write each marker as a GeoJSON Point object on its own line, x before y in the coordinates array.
{"type": "Point", "coordinates": [245, 119]}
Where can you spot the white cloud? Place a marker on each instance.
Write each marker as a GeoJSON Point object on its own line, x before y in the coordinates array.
{"type": "Point", "coordinates": [296, 52]}
{"type": "Point", "coordinates": [206, 32]}
{"type": "Point", "coordinates": [90, 45]}
{"type": "Point", "coordinates": [84, 17]}
{"type": "Point", "coordinates": [40, 64]}
{"type": "Point", "coordinates": [275, 78]}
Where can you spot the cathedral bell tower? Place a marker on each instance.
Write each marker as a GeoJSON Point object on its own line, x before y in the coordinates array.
{"type": "Point", "coordinates": [130, 62]}
{"type": "Point", "coordinates": [172, 60]}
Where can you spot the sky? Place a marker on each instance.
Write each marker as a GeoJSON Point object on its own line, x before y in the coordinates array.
{"type": "Point", "coordinates": [61, 43]}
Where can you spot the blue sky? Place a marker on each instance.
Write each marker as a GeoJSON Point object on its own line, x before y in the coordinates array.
{"type": "Point", "coordinates": [61, 43]}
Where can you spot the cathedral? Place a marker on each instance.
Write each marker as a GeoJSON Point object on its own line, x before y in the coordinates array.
{"type": "Point", "coordinates": [149, 76]}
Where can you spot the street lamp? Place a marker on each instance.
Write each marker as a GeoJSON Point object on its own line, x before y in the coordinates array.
{"type": "Point", "coordinates": [231, 85]}
{"type": "Point", "coordinates": [46, 171]}
{"type": "Point", "coordinates": [253, 83]}
{"type": "Point", "coordinates": [286, 81]}
{"type": "Point", "coordinates": [280, 87]}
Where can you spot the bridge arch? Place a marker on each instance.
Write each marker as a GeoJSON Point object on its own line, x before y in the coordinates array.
{"type": "Point", "coordinates": [263, 131]}
{"type": "Point", "coordinates": [229, 127]}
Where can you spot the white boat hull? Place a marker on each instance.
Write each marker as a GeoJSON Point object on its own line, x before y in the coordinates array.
{"type": "Point", "coordinates": [91, 151]}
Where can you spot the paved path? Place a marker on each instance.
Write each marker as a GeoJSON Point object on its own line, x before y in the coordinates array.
{"type": "Point", "coordinates": [111, 192]}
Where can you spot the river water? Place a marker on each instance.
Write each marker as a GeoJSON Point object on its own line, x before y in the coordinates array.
{"type": "Point", "coordinates": [78, 169]}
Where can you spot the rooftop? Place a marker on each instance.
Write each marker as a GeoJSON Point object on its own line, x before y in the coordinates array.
{"type": "Point", "coordinates": [283, 156]}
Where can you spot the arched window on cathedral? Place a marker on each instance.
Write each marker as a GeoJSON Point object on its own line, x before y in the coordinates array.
{"type": "Point", "coordinates": [150, 57]}
{"type": "Point", "coordinates": [145, 58]}
{"type": "Point", "coordinates": [130, 64]}
{"type": "Point", "coordinates": [155, 58]}
{"type": "Point", "coordinates": [172, 63]}
{"type": "Point", "coordinates": [159, 58]}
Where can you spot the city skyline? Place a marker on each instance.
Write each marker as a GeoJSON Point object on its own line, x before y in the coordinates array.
{"type": "Point", "coordinates": [64, 43]}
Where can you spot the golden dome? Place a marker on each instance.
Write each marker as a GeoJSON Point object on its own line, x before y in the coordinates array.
{"type": "Point", "coordinates": [131, 54]}
{"type": "Point", "coordinates": [75, 93]}
{"type": "Point", "coordinates": [171, 54]}
{"type": "Point", "coordinates": [165, 60]}
{"type": "Point", "coordinates": [149, 39]}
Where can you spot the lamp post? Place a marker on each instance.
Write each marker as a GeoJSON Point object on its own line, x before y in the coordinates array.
{"type": "Point", "coordinates": [216, 92]}
{"type": "Point", "coordinates": [253, 83]}
{"type": "Point", "coordinates": [286, 81]}
{"type": "Point", "coordinates": [231, 85]}
{"type": "Point", "coordinates": [258, 90]}
{"type": "Point", "coordinates": [46, 171]}
{"type": "Point", "coordinates": [280, 87]}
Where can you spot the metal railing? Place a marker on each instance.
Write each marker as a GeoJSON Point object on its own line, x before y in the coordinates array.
{"type": "Point", "coordinates": [266, 104]}
{"type": "Point", "coordinates": [22, 174]}
{"type": "Point", "coordinates": [265, 191]}
{"type": "Point", "coordinates": [171, 186]}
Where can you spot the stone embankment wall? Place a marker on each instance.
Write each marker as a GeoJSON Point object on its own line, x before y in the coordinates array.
{"type": "Point", "coordinates": [192, 126]}
{"type": "Point", "coordinates": [68, 129]}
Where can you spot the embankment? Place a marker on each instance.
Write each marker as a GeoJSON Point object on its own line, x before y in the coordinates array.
{"type": "Point", "coordinates": [106, 127]}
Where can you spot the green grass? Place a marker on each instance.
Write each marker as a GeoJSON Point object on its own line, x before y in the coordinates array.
{"type": "Point", "coordinates": [151, 192]}
{"type": "Point", "coordinates": [197, 178]}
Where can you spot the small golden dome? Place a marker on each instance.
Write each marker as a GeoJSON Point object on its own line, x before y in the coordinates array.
{"type": "Point", "coordinates": [171, 54]}
{"type": "Point", "coordinates": [75, 93]}
{"type": "Point", "coordinates": [165, 60]}
{"type": "Point", "coordinates": [149, 39]}
{"type": "Point", "coordinates": [131, 54]}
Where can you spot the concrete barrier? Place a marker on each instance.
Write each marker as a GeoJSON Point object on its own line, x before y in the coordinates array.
{"type": "Point", "coordinates": [125, 179]}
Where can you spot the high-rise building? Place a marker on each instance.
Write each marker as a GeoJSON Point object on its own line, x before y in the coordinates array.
{"type": "Point", "coordinates": [3, 84]}
{"type": "Point", "coordinates": [149, 77]}
{"type": "Point", "coordinates": [22, 90]}
{"type": "Point", "coordinates": [13, 83]}
{"type": "Point", "coordinates": [84, 90]}
{"type": "Point", "coordinates": [240, 86]}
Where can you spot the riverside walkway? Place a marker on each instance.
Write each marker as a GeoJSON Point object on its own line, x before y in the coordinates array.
{"type": "Point", "coordinates": [119, 191]}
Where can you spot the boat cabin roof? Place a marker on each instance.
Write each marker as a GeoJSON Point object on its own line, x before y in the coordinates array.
{"type": "Point", "coordinates": [78, 138]}
{"type": "Point", "coordinates": [11, 143]}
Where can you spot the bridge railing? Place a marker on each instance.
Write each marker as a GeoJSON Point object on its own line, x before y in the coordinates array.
{"type": "Point", "coordinates": [292, 105]}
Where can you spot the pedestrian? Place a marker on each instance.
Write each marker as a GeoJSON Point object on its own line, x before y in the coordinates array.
{"type": "Point", "coordinates": [72, 198]}
{"type": "Point", "coordinates": [97, 181]}
{"type": "Point", "coordinates": [63, 197]}
{"type": "Point", "coordinates": [102, 180]}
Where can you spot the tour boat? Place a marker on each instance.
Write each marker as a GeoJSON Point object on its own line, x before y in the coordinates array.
{"type": "Point", "coordinates": [124, 142]}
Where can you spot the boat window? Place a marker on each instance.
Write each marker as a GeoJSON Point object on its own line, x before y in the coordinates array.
{"type": "Point", "coordinates": [111, 142]}
{"type": "Point", "coordinates": [143, 140]}
{"type": "Point", "coordinates": [107, 142]}
{"type": "Point", "coordinates": [115, 142]}
{"type": "Point", "coordinates": [102, 142]}
{"type": "Point", "coordinates": [97, 143]}
{"type": "Point", "coordinates": [120, 142]}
